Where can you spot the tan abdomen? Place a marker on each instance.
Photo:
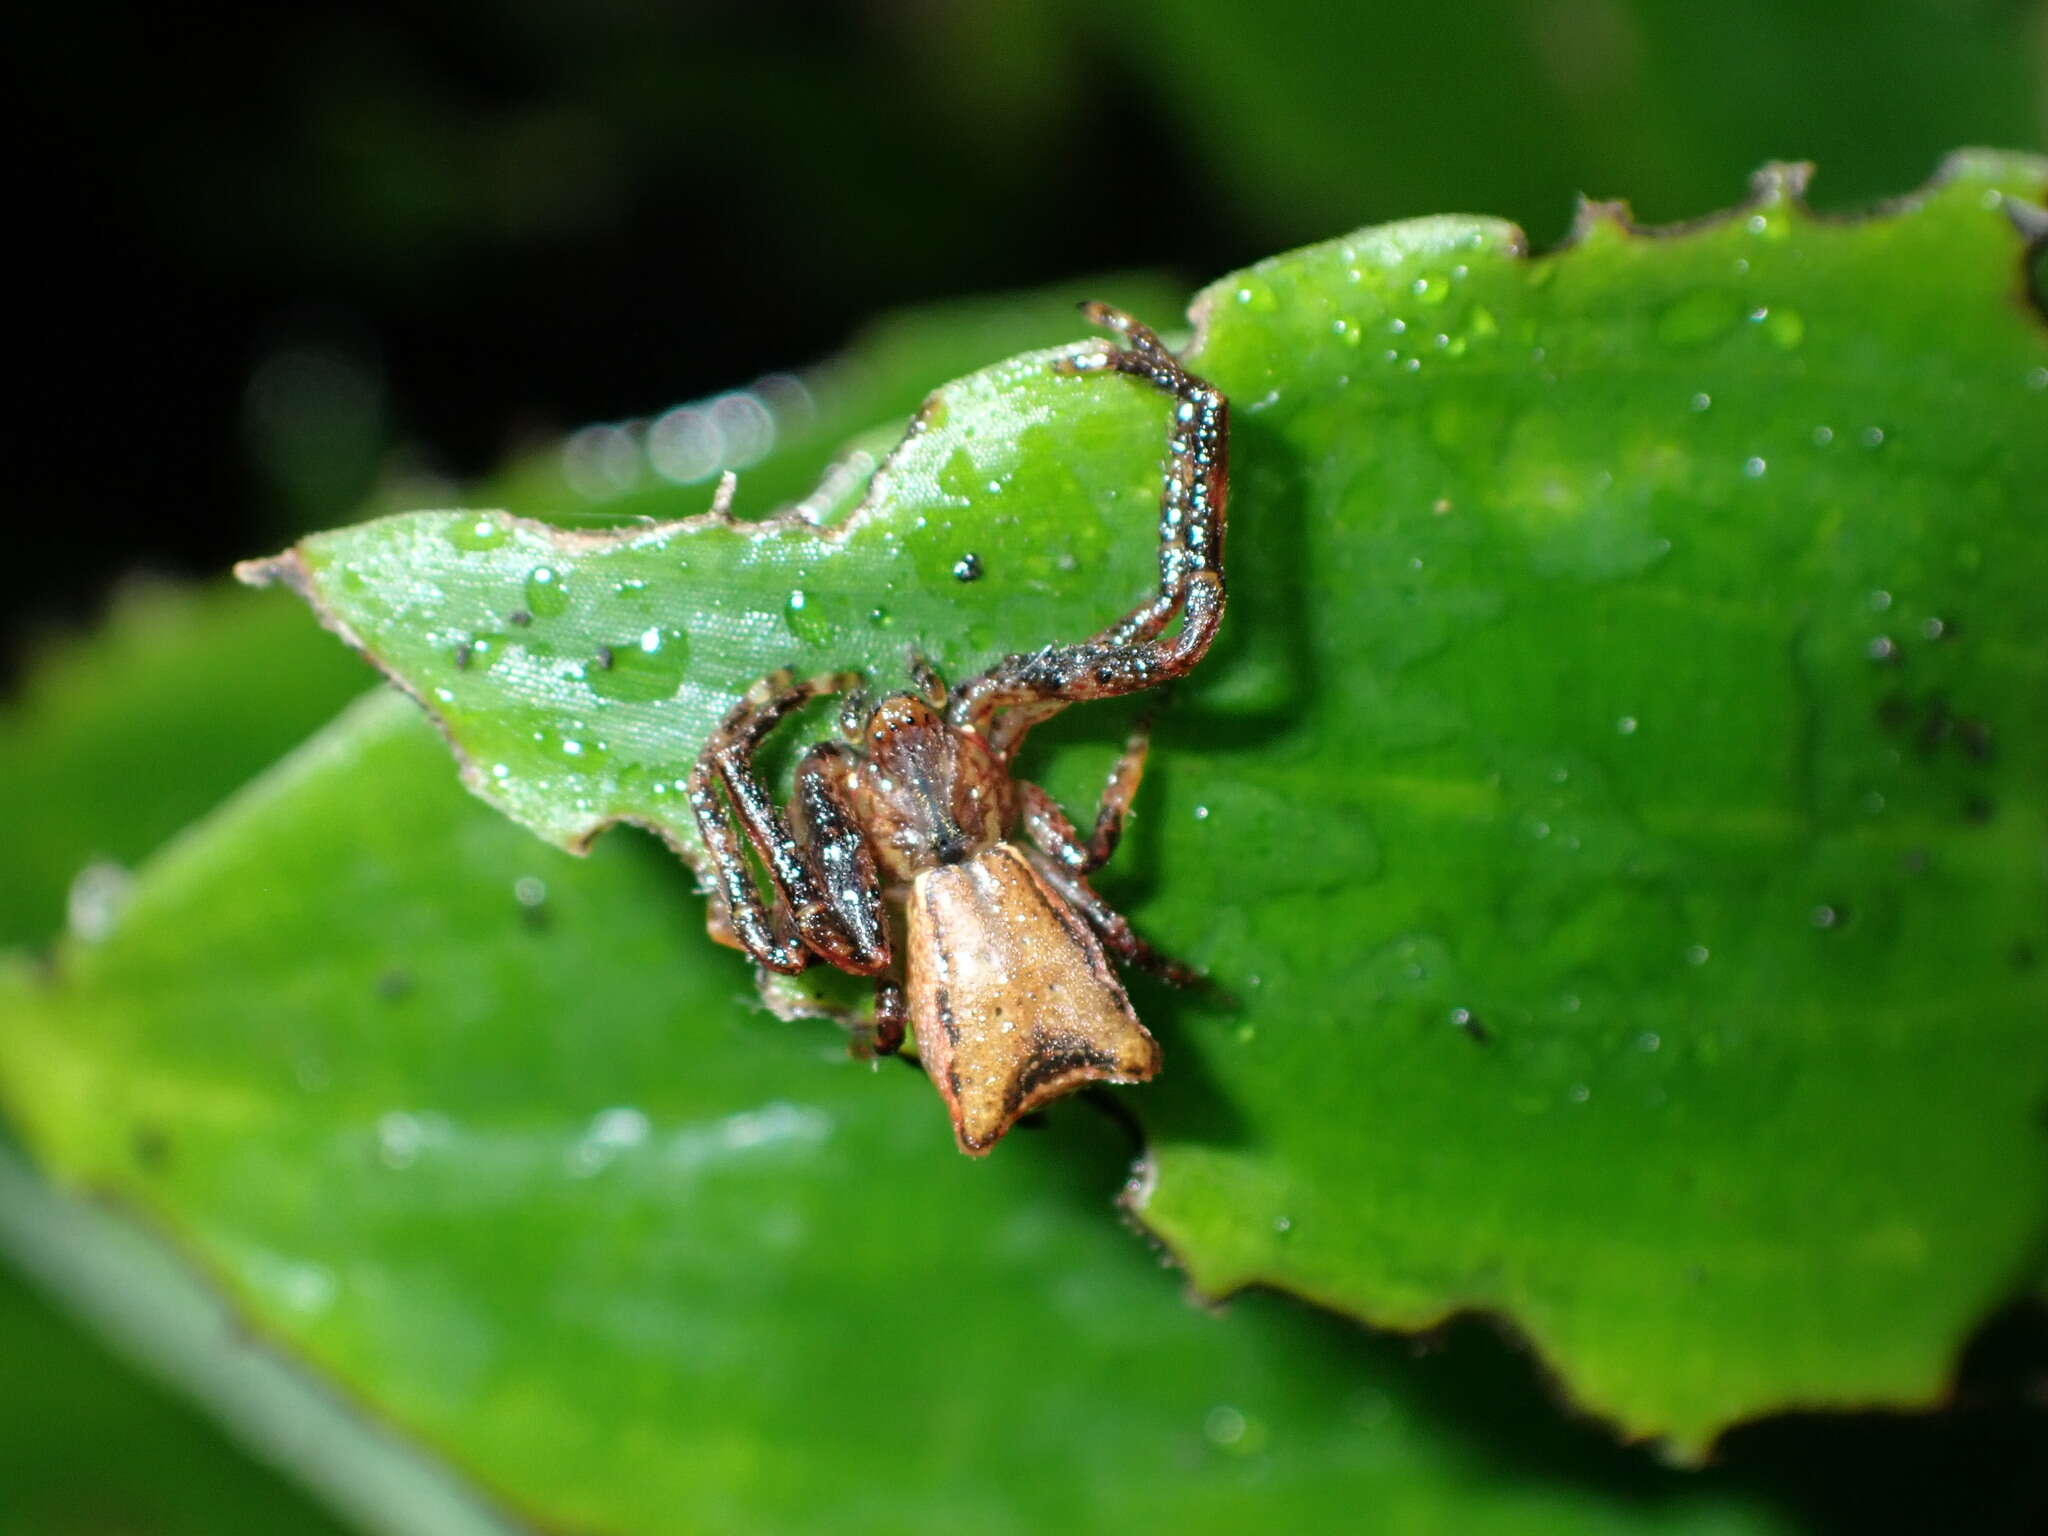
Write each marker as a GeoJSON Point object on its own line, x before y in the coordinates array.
{"type": "Point", "coordinates": [1011, 997]}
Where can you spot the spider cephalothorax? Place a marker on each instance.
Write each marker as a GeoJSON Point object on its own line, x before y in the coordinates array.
{"type": "Point", "coordinates": [998, 965]}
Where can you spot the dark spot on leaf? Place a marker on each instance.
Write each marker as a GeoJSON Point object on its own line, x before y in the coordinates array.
{"type": "Point", "coordinates": [462, 657]}
{"type": "Point", "coordinates": [1895, 713]}
{"type": "Point", "coordinates": [1937, 724]}
{"type": "Point", "coordinates": [393, 985]}
{"type": "Point", "coordinates": [2022, 955]}
{"type": "Point", "coordinates": [1977, 808]}
{"type": "Point", "coordinates": [604, 657]}
{"type": "Point", "coordinates": [1976, 738]}
{"type": "Point", "coordinates": [151, 1147]}
{"type": "Point", "coordinates": [520, 617]}
{"type": "Point", "coordinates": [1472, 1025]}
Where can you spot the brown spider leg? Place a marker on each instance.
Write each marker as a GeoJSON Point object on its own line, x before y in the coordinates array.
{"type": "Point", "coordinates": [853, 714]}
{"type": "Point", "coordinates": [1052, 831]}
{"type": "Point", "coordinates": [1110, 924]}
{"type": "Point", "coordinates": [1129, 655]}
{"type": "Point", "coordinates": [737, 914]}
{"type": "Point", "coordinates": [850, 932]}
{"type": "Point", "coordinates": [892, 1016]}
{"type": "Point", "coordinates": [929, 683]}
{"type": "Point", "coordinates": [802, 920]}
{"type": "Point", "coordinates": [1144, 356]}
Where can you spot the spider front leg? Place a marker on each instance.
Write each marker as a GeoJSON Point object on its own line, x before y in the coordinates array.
{"type": "Point", "coordinates": [1197, 479]}
{"type": "Point", "coordinates": [1020, 691]}
{"type": "Point", "coordinates": [826, 898]}
{"type": "Point", "coordinates": [892, 1016]}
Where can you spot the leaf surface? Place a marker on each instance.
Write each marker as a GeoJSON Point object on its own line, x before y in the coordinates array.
{"type": "Point", "coordinates": [487, 1137]}
{"type": "Point", "coordinates": [223, 675]}
{"type": "Point", "coordinates": [1612, 814]}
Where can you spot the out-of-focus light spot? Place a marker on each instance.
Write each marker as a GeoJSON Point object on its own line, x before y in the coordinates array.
{"type": "Point", "coordinates": [684, 445]}
{"type": "Point", "coordinates": [745, 429]}
{"type": "Point", "coordinates": [601, 462]}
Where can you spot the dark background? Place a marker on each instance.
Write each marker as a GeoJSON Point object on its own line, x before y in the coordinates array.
{"type": "Point", "coordinates": [450, 229]}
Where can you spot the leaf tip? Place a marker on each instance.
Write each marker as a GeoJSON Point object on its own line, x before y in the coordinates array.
{"type": "Point", "coordinates": [281, 570]}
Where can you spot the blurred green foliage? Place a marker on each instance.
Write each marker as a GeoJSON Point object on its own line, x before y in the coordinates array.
{"type": "Point", "coordinates": [89, 1449]}
{"type": "Point", "coordinates": [894, 151]}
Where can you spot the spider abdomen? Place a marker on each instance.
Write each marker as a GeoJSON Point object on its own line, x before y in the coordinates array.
{"type": "Point", "coordinates": [1011, 998]}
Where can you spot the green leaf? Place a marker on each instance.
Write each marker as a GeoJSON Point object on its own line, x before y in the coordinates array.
{"type": "Point", "coordinates": [1612, 810]}
{"type": "Point", "coordinates": [488, 1138]}
{"type": "Point", "coordinates": [68, 1401]}
{"type": "Point", "coordinates": [1672, 636]}
{"type": "Point", "coordinates": [223, 676]}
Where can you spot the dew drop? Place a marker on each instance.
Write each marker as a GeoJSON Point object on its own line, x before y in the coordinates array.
{"type": "Point", "coordinates": [1754, 467]}
{"type": "Point", "coordinates": [967, 567]}
{"type": "Point", "coordinates": [473, 533]}
{"type": "Point", "coordinates": [1626, 725]}
{"type": "Point", "coordinates": [1697, 954]}
{"type": "Point", "coordinates": [648, 667]}
{"type": "Point", "coordinates": [1224, 1426]}
{"type": "Point", "coordinates": [546, 595]}
{"type": "Point", "coordinates": [803, 618]}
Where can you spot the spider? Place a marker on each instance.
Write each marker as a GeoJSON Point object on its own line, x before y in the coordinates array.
{"type": "Point", "coordinates": [997, 962]}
